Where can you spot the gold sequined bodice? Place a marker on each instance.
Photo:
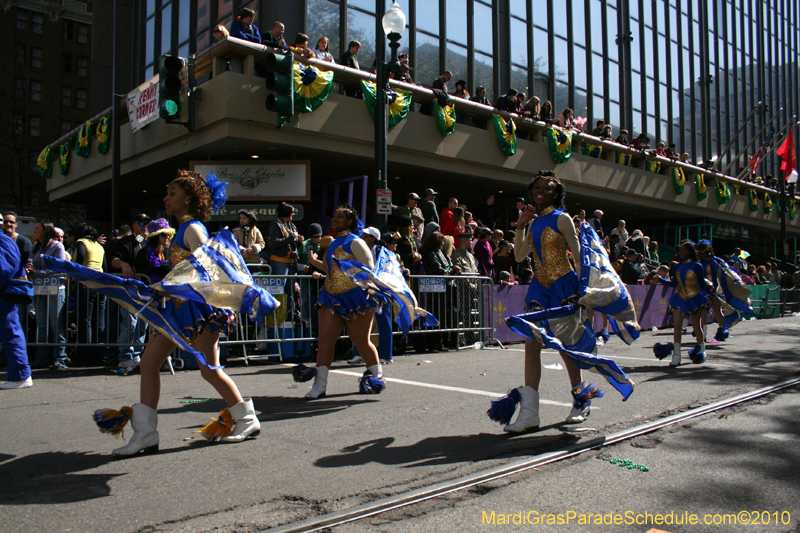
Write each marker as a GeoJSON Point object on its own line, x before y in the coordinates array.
{"type": "Point", "coordinates": [178, 254]}
{"type": "Point", "coordinates": [688, 288]}
{"type": "Point", "coordinates": [554, 263]}
{"type": "Point", "coordinates": [337, 281]}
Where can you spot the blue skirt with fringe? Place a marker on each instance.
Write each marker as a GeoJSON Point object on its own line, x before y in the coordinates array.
{"type": "Point", "coordinates": [693, 305]}
{"type": "Point", "coordinates": [351, 303]}
{"type": "Point", "coordinates": [194, 317]}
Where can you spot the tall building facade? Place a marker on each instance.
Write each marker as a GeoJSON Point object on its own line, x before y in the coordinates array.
{"type": "Point", "coordinates": [687, 72]}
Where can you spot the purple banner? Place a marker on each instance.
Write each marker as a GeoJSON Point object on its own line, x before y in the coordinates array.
{"type": "Point", "coordinates": [650, 301]}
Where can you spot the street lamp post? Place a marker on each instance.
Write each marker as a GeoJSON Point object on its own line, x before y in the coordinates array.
{"type": "Point", "coordinates": [791, 179]}
{"type": "Point", "coordinates": [393, 25]}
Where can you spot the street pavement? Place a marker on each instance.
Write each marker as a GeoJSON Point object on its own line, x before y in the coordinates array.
{"type": "Point", "coordinates": [429, 426]}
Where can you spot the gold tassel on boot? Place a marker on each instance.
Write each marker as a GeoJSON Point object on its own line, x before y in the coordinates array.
{"type": "Point", "coordinates": [220, 427]}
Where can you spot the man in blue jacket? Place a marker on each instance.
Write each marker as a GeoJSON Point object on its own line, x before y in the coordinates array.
{"type": "Point", "coordinates": [11, 335]}
{"type": "Point", "coordinates": [243, 27]}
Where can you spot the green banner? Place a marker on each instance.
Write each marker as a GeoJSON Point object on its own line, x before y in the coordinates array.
{"type": "Point", "coordinates": [83, 144]}
{"type": "Point", "coordinates": [678, 179]}
{"type": "Point", "coordinates": [44, 163]}
{"type": "Point", "coordinates": [397, 105]}
{"type": "Point", "coordinates": [505, 131]}
{"type": "Point", "coordinates": [560, 143]}
{"type": "Point", "coordinates": [445, 118]}
{"type": "Point", "coordinates": [64, 157]}
{"type": "Point", "coordinates": [700, 187]}
{"type": "Point", "coordinates": [311, 87]}
{"type": "Point", "coordinates": [103, 133]}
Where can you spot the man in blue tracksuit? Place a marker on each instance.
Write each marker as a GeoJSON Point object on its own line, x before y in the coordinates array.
{"type": "Point", "coordinates": [11, 335]}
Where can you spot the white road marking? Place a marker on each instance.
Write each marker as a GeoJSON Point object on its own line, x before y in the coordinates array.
{"type": "Point", "coordinates": [785, 437]}
{"type": "Point", "coordinates": [440, 387]}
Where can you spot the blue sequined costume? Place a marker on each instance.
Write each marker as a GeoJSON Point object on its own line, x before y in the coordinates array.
{"type": "Point", "coordinates": [693, 288]}
{"type": "Point", "coordinates": [193, 317]}
{"type": "Point", "coordinates": [340, 293]}
{"type": "Point", "coordinates": [555, 283]}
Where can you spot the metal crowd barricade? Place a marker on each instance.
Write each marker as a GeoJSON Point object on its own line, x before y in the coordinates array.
{"type": "Point", "coordinates": [88, 323]}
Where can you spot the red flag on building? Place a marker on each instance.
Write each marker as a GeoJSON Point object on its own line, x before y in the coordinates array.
{"type": "Point", "coordinates": [786, 152]}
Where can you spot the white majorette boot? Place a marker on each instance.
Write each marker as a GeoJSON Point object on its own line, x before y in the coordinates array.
{"type": "Point", "coordinates": [320, 384]}
{"type": "Point", "coordinates": [582, 395]}
{"type": "Point", "coordinates": [247, 424]}
{"type": "Point", "coordinates": [144, 422]}
{"type": "Point", "coordinates": [528, 417]}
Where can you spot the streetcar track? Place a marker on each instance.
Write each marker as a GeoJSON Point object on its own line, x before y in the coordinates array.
{"type": "Point", "coordinates": [412, 497]}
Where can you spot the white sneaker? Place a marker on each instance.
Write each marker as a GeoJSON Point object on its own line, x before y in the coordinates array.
{"type": "Point", "coordinates": [24, 384]}
{"type": "Point", "coordinates": [599, 341]}
{"type": "Point", "coordinates": [130, 364]}
{"type": "Point", "coordinates": [578, 414]}
{"type": "Point", "coordinates": [357, 360]}
{"type": "Point", "coordinates": [387, 361]}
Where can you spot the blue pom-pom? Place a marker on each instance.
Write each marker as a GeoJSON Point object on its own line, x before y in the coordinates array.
{"type": "Point", "coordinates": [697, 356]}
{"type": "Point", "coordinates": [359, 227]}
{"type": "Point", "coordinates": [722, 334]}
{"type": "Point", "coordinates": [219, 195]}
{"type": "Point", "coordinates": [369, 384]}
{"type": "Point", "coordinates": [302, 373]}
{"type": "Point", "coordinates": [503, 408]}
{"type": "Point", "coordinates": [662, 351]}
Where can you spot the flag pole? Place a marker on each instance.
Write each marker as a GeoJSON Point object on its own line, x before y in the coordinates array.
{"type": "Point", "coordinates": [736, 136]}
{"type": "Point", "coordinates": [757, 135]}
{"type": "Point", "coordinates": [774, 146]}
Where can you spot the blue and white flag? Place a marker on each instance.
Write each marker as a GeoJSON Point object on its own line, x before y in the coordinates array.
{"type": "Point", "coordinates": [387, 279]}
{"type": "Point", "coordinates": [601, 288]}
{"type": "Point", "coordinates": [542, 325]}
{"type": "Point", "coordinates": [216, 274]}
{"type": "Point", "coordinates": [217, 259]}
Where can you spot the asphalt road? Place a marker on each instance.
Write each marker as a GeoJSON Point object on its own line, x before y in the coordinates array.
{"type": "Point", "coordinates": [315, 457]}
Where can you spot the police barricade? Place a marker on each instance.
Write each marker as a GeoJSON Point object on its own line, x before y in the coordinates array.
{"type": "Point", "coordinates": [69, 321]}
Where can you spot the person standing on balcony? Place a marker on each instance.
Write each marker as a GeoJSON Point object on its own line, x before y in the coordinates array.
{"type": "Point", "coordinates": [275, 37]}
{"type": "Point", "coordinates": [441, 82]}
{"type": "Point", "coordinates": [243, 27]}
{"type": "Point", "coordinates": [322, 52]}
{"type": "Point", "coordinates": [350, 60]}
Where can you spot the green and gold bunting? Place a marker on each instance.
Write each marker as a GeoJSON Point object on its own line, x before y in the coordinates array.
{"type": "Point", "coordinates": [397, 104]}
{"type": "Point", "coordinates": [445, 118]}
{"type": "Point", "coordinates": [44, 163]}
{"type": "Point", "coordinates": [560, 142]}
{"type": "Point", "coordinates": [767, 203]}
{"type": "Point", "coordinates": [624, 158]}
{"type": "Point", "coordinates": [83, 144]}
{"type": "Point", "coordinates": [723, 191]}
{"type": "Point", "coordinates": [64, 157]}
{"type": "Point", "coordinates": [653, 166]}
{"type": "Point", "coordinates": [103, 133]}
{"type": "Point", "coordinates": [792, 209]}
{"type": "Point", "coordinates": [752, 197]}
{"type": "Point", "coordinates": [700, 187]}
{"type": "Point", "coordinates": [678, 179]}
{"type": "Point", "coordinates": [592, 150]}
{"type": "Point", "coordinates": [505, 131]}
{"type": "Point", "coordinates": [735, 189]}
{"type": "Point", "coordinates": [311, 87]}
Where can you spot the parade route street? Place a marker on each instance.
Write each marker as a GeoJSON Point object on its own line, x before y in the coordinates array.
{"type": "Point", "coordinates": [429, 426]}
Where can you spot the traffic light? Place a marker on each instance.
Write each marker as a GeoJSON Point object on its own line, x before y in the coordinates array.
{"type": "Point", "coordinates": [169, 86]}
{"type": "Point", "coordinates": [280, 80]}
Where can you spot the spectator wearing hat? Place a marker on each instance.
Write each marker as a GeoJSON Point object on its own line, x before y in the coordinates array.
{"type": "Point", "coordinates": [428, 206]}
{"type": "Point", "coordinates": [249, 237]}
{"type": "Point", "coordinates": [122, 253]}
{"type": "Point", "coordinates": [410, 208]}
{"type": "Point", "coordinates": [152, 259]}
{"type": "Point", "coordinates": [461, 92]}
{"type": "Point", "coordinates": [462, 256]}
{"type": "Point", "coordinates": [372, 237]}
{"type": "Point", "coordinates": [515, 212]}
{"type": "Point", "coordinates": [504, 278]}
{"type": "Point", "coordinates": [623, 138]}
{"type": "Point", "coordinates": [483, 253]}
{"type": "Point", "coordinates": [309, 290]}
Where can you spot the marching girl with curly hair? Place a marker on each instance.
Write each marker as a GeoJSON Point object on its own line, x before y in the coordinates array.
{"type": "Point", "coordinates": [691, 299]}
{"type": "Point", "coordinates": [177, 309]}
{"type": "Point", "coordinates": [344, 304]}
{"type": "Point", "coordinates": [555, 319]}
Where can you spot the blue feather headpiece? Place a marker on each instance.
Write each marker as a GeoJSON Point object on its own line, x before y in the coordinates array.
{"type": "Point", "coordinates": [705, 241]}
{"type": "Point", "coordinates": [217, 189]}
{"type": "Point", "coordinates": [359, 227]}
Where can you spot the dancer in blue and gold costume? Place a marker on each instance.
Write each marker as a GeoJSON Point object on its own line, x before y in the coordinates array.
{"type": "Point", "coordinates": [343, 304]}
{"type": "Point", "coordinates": [729, 295]}
{"type": "Point", "coordinates": [691, 299]}
{"type": "Point", "coordinates": [555, 317]}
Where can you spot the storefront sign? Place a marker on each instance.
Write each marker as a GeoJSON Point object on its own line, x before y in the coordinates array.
{"type": "Point", "coordinates": [143, 104]}
{"type": "Point", "coordinates": [266, 181]}
{"type": "Point", "coordinates": [264, 213]}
